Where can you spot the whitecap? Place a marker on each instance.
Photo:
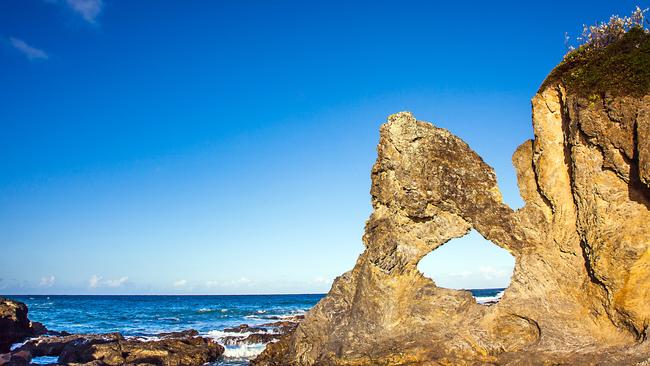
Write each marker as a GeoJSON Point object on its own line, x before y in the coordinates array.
{"type": "Point", "coordinates": [488, 299]}
{"type": "Point", "coordinates": [16, 346]}
{"type": "Point", "coordinates": [219, 334]}
{"type": "Point", "coordinates": [171, 318]}
{"type": "Point", "coordinates": [247, 351]}
{"type": "Point", "coordinates": [205, 310]}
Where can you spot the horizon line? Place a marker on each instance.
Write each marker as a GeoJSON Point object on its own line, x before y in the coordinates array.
{"type": "Point", "coordinates": [263, 294]}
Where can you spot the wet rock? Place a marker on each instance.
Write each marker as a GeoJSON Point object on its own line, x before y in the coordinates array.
{"type": "Point", "coordinates": [255, 338]}
{"type": "Point", "coordinates": [283, 326]}
{"type": "Point", "coordinates": [166, 351]}
{"type": "Point", "coordinates": [21, 358]}
{"type": "Point", "coordinates": [15, 327]}
{"type": "Point", "coordinates": [182, 334]}
{"type": "Point", "coordinates": [56, 345]}
{"type": "Point", "coordinates": [244, 328]}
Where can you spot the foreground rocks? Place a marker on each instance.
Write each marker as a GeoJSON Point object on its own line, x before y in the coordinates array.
{"type": "Point", "coordinates": [580, 292]}
{"type": "Point", "coordinates": [14, 325]}
{"type": "Point", "coordinates": [263, 333]}
{"type": "Point", "coordinates": [179, 348]}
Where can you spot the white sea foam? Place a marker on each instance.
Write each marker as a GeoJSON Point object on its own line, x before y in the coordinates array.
{"type": "Point", "coordinates": [205, 310]}
{"type": "Point", "coordinates": [486, 299]}
{"type": "Point", "coordinates": [170, 318]}
{"type": "Point", "coordinates": [16, 346]}
{"type": "Point", "coordinates": [219, 334]}
{"type": "Point", "coordinates": [224, 310]}
{"type": "Point", "coordinates": [246, 351]}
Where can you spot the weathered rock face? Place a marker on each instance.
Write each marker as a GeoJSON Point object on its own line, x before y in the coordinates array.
{"type": "Point", "coordinates": [580, 292]}
{"type": "Point", "coordinates": [177, 348]}
{"type": "Point", "coordinates": [167, 351]}
{"type": "Point", "coordinates": [14, 324]}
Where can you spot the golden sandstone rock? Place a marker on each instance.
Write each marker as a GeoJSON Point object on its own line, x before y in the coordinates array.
{"type": "Point", "coordinates": [580, 292]}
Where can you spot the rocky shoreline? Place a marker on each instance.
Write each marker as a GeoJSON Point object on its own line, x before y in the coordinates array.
{"type": "Point", "coordinates": [23, 340]}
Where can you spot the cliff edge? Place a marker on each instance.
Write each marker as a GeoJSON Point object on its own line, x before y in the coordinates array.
{"type": "Point", "coordinates": [580, 292]}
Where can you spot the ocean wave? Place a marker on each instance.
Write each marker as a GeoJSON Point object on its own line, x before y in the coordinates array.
{"type": "Point", "coordinates": [220, 334]}
{"type": "Point", "coordinates": [170, 318]}
{"type": "Point", "coordinates": [486, 299]}
{"type": "Point", "coordinates": [15, 346]}
{"type": "Point", "coordinates": [247, 351]}
{"type": "Point", "coordinates": [205, 310]}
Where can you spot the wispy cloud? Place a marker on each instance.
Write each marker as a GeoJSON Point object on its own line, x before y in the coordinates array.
{"type": "Point", "coordinates": [32, 53]}
{"type": "Point", "coordinates": [96, 281]}
{"type": "Point", "coordinates": [118, 282]}
{"type": "Point", "coordinates": [180, 283]}
{"type": "Point", "coordinates": [47, 281]}
{"type": "Point", "coordinates": [88, 9]}
{"type": "Point", "coordinates": [243, 281]}
{"type": "Point", "coordinates": [93, 282]}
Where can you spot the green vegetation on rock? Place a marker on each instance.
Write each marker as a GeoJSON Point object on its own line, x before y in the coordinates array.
{"type": "Point", "coordinates": [620, 68]}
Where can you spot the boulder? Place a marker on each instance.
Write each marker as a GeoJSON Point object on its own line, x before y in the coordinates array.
{"type": "Point", "coordinates": [167, 351]}
{"type": "Point", "coordinates": [15, 327]}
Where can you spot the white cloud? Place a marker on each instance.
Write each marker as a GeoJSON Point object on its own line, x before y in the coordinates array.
{"type": "Point", "coordinates": [117, 283]}
{"type": "Point", "coordinates": [180, 283]}
{"type": "Point", "coordinates": [96, 281]}
{"type": "Point", "coordinates": [88, 9]}
{"type": "Point", "coordinates": [93, 282]}
{"type": "Point", "coordinates": [243, 281]}
{"type": "Point", "coordinates": [322, 280]}
{"type": "Point", "coordinates": [32, 53]}
{"type": "Point", "coordinates": [491, 273]}
{"type": "Point", "coordinates": [47, 281]}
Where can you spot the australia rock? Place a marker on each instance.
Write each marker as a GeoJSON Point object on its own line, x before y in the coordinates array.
{"type": "Point", "coordinates": [580, 291]}
{"type": "Point", "coordinates": [15, 327]}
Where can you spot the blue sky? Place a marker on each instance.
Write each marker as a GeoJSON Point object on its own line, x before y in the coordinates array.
{"type": "Point", "coordinates": [225, 146]}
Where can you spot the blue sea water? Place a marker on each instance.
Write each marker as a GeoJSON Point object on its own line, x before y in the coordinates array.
{"type": "Point", "coordinates": [146, 316]}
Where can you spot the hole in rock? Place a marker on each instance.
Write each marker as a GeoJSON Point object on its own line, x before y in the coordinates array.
{"type": "Point", "coordinates": [470, 263]}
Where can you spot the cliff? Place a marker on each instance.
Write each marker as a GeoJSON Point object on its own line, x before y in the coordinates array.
{"type": "Point", "coordinates": [580, 292]}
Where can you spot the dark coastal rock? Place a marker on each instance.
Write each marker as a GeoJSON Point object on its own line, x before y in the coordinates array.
{"type": "Point", "coordinates": [283, 326]}
{"type": "Point", "coordinates": [14, 325]}
{"type": "Point", "coordinates": [255, 338]}
{"type": "Point", "coordinates": [182, 334]}
{"type": "Point", "coordinates": [244, 328]}
{"type": "Point", "coordinates": [168, 351]}
{"type": "Point", "coordinates": [56, 345]}
{"type": "Point", "coordinates": [175, 348]}
{"type": "Point", "coordinates": [21, 358]}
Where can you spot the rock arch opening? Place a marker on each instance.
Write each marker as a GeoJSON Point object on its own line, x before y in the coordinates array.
{"type": "Point", "coordinates": [470, 263]}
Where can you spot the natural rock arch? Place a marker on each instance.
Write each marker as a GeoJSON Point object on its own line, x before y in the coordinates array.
{"type": "Point", "coordinates": [468, 262]}
{"type": "Point", "coordinates": [579, 293]}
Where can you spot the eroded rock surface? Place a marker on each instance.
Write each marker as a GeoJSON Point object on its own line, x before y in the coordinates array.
{"type": "Point", "coordinates": [170, 349]}
{"type": "Point", "coordinates": [14, 324]}
{"type": "Point", "coordinates": [580, 292]}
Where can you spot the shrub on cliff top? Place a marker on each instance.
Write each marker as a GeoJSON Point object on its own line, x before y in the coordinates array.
{"type": "Point", "coordinates": [614, 57]}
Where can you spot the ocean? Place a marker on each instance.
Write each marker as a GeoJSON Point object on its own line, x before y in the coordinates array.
{"type": "Point", "coordinates": [146, 316]}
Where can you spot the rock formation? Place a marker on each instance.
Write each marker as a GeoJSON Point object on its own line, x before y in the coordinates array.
{"type": "Point", "coordinates": [14, 325]}
{"type": "Point", "coordinates": [580, 291]}
{"type": "Point", "coordinates": [177, 348]}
